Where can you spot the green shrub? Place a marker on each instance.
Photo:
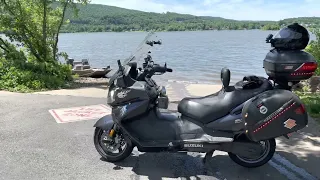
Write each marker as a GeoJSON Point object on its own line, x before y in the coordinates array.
{"type": "Point", "coordinates": [29, 54]}
{"type": "Point", "coordinates": [314, 49]}
{"type": "Point", "coordinates": [26, 75]}
{"type": "Point", "coordinates": [311, 102]}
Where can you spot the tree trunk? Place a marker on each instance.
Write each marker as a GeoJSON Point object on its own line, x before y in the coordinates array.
{"type": "Point", "coordinates": [314, 83]}
{"type": "Point", "coordinates": [5, 45]}
{"type": "Point", "coordinates": [55, 46]}
{"type": "Point", "coordinates": [44, 29]}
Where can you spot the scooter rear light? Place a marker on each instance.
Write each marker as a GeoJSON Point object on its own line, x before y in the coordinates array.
{"type": "Point", "coordinates": [300, 110]}
{"type": "Point", "coordinates": [307, 67]}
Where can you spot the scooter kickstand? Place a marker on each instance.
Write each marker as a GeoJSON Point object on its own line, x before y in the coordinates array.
{"type": "Point", "coordinates": [207, 156]}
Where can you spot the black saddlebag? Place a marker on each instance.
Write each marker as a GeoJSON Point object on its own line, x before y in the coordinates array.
{"type": "Point", "coordinates": [272, 114]}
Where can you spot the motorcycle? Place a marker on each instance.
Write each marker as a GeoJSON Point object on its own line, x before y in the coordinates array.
{"type": "Point", "coordinates": [221, 121]}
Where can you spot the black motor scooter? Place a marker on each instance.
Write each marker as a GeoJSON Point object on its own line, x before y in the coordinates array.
{"type": "Point", "coordinates": [215, 122]}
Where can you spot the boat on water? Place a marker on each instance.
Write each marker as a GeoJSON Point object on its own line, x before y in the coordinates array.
{"type": "Point", "coordinates": [83, 69]}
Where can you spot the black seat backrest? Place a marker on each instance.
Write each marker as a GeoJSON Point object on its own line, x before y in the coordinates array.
{"type": "Point", "coordinates": [225, 77]}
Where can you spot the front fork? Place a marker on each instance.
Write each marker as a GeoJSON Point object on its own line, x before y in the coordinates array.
{"type": "Point", "coordinates": [111, 133]}
{"type": "Point", "coordinates": [109, 136]}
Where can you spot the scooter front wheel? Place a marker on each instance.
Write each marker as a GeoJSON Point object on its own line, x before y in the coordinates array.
{"type": "Point", "coordinates": [269, 147]}
{"type": "Point", "coordinates": [112, 149]}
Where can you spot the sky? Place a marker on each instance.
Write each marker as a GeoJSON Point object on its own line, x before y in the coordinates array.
{"type": "Point", "coordinates": [230, 9]}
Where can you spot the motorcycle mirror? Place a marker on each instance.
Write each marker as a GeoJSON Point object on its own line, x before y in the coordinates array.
{"type": "Point", "coordinates": [120, 66]}
{"type": "Point", "coordinates": [269, 37]}
{"type": "Point", "coordinates": [149, 43]}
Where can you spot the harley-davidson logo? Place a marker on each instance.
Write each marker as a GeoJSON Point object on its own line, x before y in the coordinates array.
{"type": "Point", "coordinates": [290, 123]}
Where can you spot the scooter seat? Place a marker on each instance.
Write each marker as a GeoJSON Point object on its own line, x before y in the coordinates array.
{"type": "Point", "coordinates": [212, 107]}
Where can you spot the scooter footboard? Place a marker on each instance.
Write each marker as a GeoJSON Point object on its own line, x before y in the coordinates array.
{"type": "Point", "coordinates": [273, 114]}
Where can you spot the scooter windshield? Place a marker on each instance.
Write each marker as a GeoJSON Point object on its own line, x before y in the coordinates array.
{"type": "Point", "coordinates": [139, 53]}
{"type": "Point", "coordinates": [142, 50]}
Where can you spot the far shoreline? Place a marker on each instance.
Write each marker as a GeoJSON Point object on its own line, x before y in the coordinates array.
{"type": "Point", "coordinates": [85, 32]}
{"type": "Point", "coordinates": [164, 31]}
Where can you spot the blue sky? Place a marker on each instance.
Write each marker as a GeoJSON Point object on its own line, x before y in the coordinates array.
{"type": "Point", "coordinates": [232, 9]}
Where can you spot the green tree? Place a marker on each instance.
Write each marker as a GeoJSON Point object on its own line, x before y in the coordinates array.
{"type": "Point", "coordinates": [95, 15]}
{"type": "Point", "coordinates": [29, 53]}
{"type": "Point", "coordinates": [314, 48]}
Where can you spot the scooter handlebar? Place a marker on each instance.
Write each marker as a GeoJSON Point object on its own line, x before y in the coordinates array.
{"type": "Point", "coordinates": [169, 70]}
{"type": "Point", "coordinates": [161, 69]}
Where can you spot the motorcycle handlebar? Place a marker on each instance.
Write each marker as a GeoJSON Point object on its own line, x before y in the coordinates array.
{"type": "Point", "coordinates": [161, 69]}
{"type": "Point", "coordinates": [151, 43]}
{"type": "Point", "coordinates": [158, 68]}
{"type": "Point", "coordinates": [157, 42]}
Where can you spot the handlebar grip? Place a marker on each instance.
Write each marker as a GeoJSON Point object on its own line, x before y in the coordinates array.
{"type": "Point", "coordinates": [159, 68]}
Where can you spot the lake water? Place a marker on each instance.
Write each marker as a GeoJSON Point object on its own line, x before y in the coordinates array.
{"type": "Point", "coordinates": [195, 57]}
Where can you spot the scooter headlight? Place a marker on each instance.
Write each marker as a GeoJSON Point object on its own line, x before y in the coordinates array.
{"type": "Point", "coordinates": [163, 91]}
{"type": "Point", "coordinates": [111, 94]}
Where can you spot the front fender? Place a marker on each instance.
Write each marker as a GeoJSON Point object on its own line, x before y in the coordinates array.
{"type": "Point", "coordinates": [105, 122]}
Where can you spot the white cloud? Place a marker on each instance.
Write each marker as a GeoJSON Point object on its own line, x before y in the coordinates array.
{"type": "Point", "coordinates": [210, 2]}
{"type": "Point", "coordinates": [231, 9]}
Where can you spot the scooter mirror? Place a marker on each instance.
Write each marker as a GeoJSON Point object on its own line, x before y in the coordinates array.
{"type": "Point", "coordinates": [269, 37]}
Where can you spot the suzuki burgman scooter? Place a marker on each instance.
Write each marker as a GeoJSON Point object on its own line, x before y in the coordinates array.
{"type": "Point", "coordinates": [215, 122]}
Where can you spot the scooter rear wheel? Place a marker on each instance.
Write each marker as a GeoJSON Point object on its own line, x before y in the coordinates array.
{"type": "Point", "coordinates": [268, 152]}
{"type": "Point", "coordinates": [107, 147]}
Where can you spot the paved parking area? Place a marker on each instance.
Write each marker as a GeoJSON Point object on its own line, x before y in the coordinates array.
{"type": "Point", "coordinates": [34, 146]}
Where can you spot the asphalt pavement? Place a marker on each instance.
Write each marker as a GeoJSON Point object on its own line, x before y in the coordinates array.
{"type": "Point", "coordinates": [34, 146]}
